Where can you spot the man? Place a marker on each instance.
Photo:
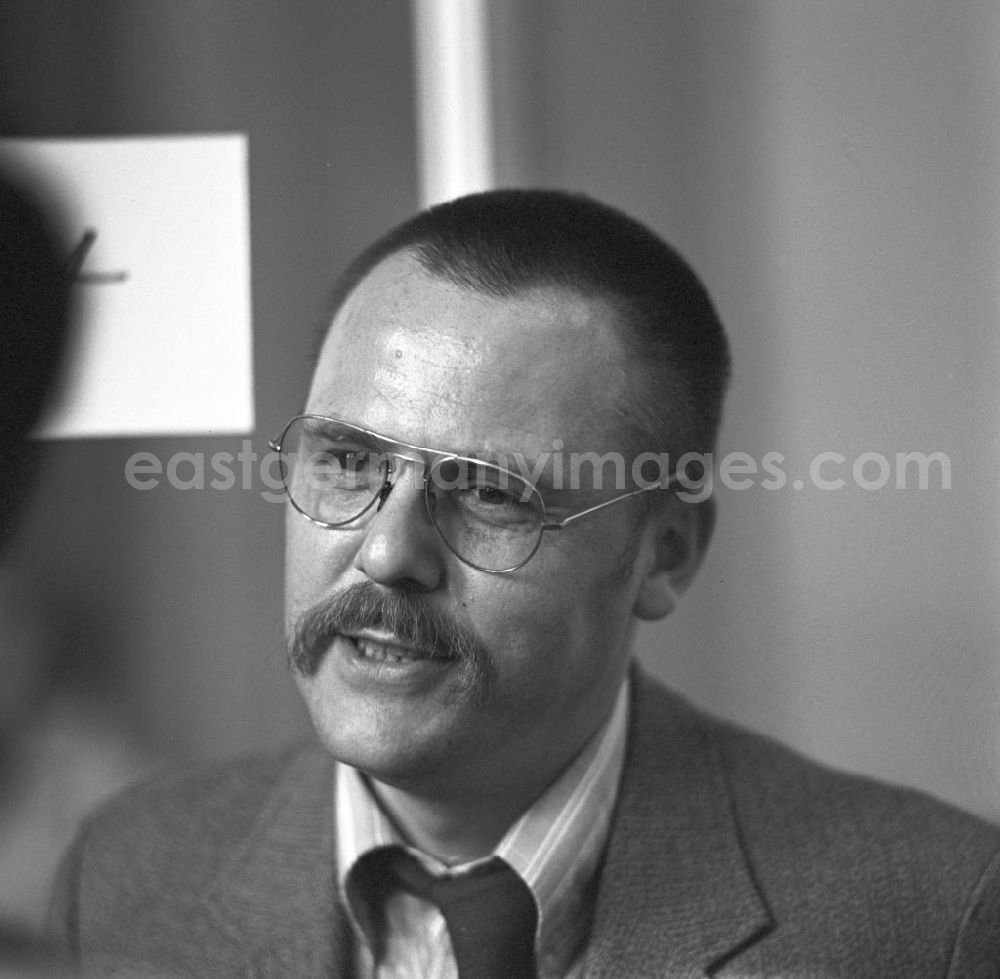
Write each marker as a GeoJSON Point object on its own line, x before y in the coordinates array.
{"type": "Point", "coordinates": [496, 779]}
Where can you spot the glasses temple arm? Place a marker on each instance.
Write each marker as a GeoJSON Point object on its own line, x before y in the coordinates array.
{"type": "Point", "coordinates": [559, 524]}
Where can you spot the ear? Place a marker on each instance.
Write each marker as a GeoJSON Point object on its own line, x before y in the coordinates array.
{"type": "Point", "coordinates": [679, 539]}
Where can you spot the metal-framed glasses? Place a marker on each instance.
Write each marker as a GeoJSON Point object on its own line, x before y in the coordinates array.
{"type": "Point", "coordinates": [489, 517]}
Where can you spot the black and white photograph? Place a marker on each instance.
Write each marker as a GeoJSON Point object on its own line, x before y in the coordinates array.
{"type": "Point", "coordinates": [500, 489]}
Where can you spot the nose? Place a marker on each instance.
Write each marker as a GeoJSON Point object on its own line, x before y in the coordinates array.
{"type": "Point", "coordinates": [400, 545]}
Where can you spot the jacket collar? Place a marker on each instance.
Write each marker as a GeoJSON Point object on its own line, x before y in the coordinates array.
{"type": "Point", "coordinates": [677, 894]}
{"type": "Point", "coordinates": [276, 898]}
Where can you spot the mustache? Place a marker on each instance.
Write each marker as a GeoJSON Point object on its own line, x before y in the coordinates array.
{"type": "Point", "coordinates": [400, 612]}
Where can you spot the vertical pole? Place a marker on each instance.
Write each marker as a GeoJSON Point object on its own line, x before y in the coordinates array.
{"type": "Point", "coordinates": [454, 98]}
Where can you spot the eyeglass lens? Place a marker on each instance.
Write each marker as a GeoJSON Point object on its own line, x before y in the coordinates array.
{"type": "Point", "coordinates": [488, 516]}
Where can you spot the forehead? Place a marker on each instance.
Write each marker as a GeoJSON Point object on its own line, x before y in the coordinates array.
{"type": "Point", "coordinates": [424, 360]}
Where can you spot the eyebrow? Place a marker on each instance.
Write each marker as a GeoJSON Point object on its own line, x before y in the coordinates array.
{"type": "Point", "coordinates": [524, 468]}
{"type": "Point", "coordinates": [541, 482]}
{"type": "Point", "coordinates": [321, 427]}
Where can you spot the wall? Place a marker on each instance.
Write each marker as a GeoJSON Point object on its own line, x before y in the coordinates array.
{"type": "Point", "coordinates": [830, 170]}
{"type": "Point", "coordinates": [178, 595]}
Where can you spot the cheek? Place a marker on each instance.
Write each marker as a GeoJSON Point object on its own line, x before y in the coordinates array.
{"type": "Point", "coordinates": [539, 625]}
{"type": "Point", "coordinates": [578, 610]}
{"type": "Point", "coordinates": [312, 564]}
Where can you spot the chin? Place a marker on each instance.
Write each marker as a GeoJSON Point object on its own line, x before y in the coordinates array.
{"type": "Point", "coordinates": [381, 743]}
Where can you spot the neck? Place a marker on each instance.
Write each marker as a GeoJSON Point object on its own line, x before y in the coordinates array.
{"type": "Point", "coordinates": [457, 819]}
{"type": "Point", "coordinates": [454, 830]}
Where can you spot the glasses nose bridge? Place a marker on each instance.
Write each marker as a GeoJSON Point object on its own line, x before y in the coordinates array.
{"type": "Point", "coordinates": [397, 461]}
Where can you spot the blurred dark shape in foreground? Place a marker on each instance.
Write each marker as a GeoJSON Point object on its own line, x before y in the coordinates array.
{"type": "Point", "coordinates": [34, 325]}
{"type": "Point", "coordinates": [60, 754]}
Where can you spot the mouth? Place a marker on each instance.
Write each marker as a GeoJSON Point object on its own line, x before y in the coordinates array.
{"type": "Point", "coordinates": [377, 650]}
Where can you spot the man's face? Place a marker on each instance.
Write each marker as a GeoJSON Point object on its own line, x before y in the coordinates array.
{"type": "Point", "coordinates": [420, 360]}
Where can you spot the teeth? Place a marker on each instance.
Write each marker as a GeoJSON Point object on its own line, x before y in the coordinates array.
{"type": "Point", "coordinates": [385, 652]}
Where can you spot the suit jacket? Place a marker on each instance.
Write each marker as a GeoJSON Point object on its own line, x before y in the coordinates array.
{"type": "Point", "coordinates": [728, 855]}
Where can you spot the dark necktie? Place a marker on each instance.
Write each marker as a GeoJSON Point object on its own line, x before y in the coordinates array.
{"type": "Point", "coordinates": [490, 912]}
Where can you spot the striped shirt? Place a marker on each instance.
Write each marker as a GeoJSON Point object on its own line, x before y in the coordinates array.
{"type": "Point", "coordinates": [555, 846]}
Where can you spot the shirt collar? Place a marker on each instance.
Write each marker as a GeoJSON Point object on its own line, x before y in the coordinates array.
{"type": "Point", "coordinates": [555, 846]}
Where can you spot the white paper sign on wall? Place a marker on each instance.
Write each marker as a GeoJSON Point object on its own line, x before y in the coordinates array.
{"type": "Point", "coordinates": [162, 334]}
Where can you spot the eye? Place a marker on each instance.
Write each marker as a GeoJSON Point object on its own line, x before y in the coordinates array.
{"type": "Point", "coordinates": [348, 460]}
{"type": "Point", "coordinates": [504, 507]}
{"type": "Point", "coordinates": [342, 467]}
{"type": "Point", "coordinates": [492, 496]}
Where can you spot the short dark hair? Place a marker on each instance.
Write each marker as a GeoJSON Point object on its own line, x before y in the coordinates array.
{"type": "Point", "coordinates": [505, 242]}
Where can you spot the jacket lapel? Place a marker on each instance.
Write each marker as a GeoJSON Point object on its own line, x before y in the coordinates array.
{"type": "Point", "coordinates": [677, 895]}
{"type": "Point", "coordinates": [276, 900]}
